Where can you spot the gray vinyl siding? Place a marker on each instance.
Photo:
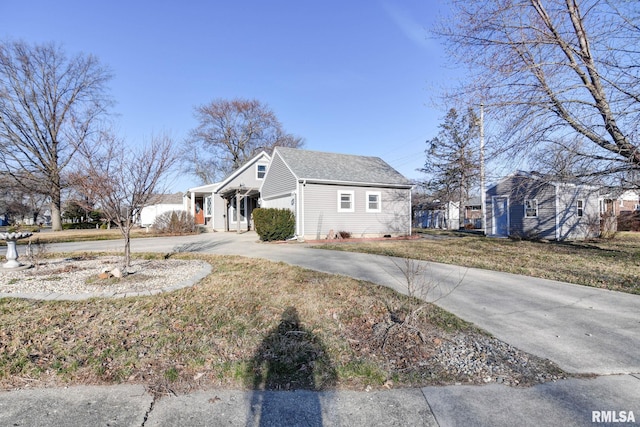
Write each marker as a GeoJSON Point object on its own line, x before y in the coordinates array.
{"type": "Point", "coordinates": [571, 226]}
{"type": "Point", "coordinates": [284, 202]}
{"type": "Point", "coordinates": [557, 209]}
{"type": "Point", "coordinates": [321, 212]}
{"type": "Point", "coordinates": [279, 180]}
{"type": "Point", "coordinates": [518, 189]}
{"type": "Point", "coordinates": [247, 178]}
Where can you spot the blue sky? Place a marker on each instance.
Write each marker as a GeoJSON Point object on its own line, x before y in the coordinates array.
{"type": "Point", "coordinates": [356, 77]}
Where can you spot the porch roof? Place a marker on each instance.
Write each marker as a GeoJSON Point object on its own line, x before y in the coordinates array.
{"type": "Point", "coordinates": [244, 191]}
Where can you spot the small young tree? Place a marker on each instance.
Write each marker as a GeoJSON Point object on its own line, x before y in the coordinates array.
{"type": "Point", "coordinates": [123, 180]}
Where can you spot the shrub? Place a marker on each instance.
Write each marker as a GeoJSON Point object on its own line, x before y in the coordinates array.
{"type": "Point", "coordinates": [79, 226]}
{"type": "Point", "coordinates": [180, 222]}
{"type": "Point", "coordinates": [274, 224]}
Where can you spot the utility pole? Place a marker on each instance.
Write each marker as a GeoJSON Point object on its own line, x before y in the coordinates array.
{"type": "Point", "coordinates": [483, 196]}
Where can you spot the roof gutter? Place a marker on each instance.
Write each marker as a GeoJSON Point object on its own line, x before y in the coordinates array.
{"type": "Point", "coordinates": [355, 183]}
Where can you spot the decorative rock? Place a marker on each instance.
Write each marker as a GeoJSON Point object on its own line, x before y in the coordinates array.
{"type": "Point", "coordinates": [117, 273]}
{"type": "Point", "coordinates": [104, 276]}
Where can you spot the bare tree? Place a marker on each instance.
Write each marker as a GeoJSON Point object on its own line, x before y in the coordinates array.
{"type": "Point", "coordinates": [123, 180]}
{"type": "Point", "coordinates": [49, 107]}
{"type": "Point", "coordinates": [452, 164]}
{"type": "Point", "coordinates": [229, 133]}
{"type": "Point", "coordinates": [19, 203]}
{"type": "Point", "coordinates": [555, 70]}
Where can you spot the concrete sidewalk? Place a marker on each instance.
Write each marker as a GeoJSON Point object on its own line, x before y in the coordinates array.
{"type": "Point", "coordinates": [584, 330]}
{"type": "Point", "coordinates": [574, 402]}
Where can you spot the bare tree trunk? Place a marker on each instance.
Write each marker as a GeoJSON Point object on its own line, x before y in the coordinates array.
{"type": "Point", "coordinates": [127, 247]}
{"type": "Point", "coordinates": [56, 215]}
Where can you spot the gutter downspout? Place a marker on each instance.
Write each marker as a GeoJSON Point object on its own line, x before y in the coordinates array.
{"type": "Point", "coordinates": [410, 211]}
{"type": "Point", "coordinates": [301, 209]}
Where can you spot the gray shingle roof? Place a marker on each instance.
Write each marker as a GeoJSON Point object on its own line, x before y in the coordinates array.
{"type": "Point", "coordinates": [320, 166]}
{"type": "Point", "coordinates": [166, 199]}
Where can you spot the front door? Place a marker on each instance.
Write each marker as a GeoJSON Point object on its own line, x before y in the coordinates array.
{"type": "Point", "coordinates": [198, 215]}
{"type": "Point", "coordinates": [501, 216]}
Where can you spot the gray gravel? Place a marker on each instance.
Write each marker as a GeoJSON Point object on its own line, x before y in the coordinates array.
{"type": "Point", "coordinates": [484, 359]}
{"type": "Point", "coordinates": [79, 277]}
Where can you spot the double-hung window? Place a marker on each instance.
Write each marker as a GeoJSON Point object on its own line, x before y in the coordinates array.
{"type": "Point", "coordinates": [530, 208]}
{"type": "Point", "coordinates": [345, 201]}
{"type": "Point", "coordinates": [580, 207]}
{"type": "Point", "coordinates": [261, 171]}
{"type": "Point", "coordinates": [374, 201]}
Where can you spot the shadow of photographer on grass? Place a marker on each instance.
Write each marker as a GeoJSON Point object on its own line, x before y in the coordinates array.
{"type": "Point", "coordinates": [289, 358]}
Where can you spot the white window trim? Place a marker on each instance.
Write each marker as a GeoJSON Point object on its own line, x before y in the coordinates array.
{"type": "Point", "coordinates": [351, 197]}
{"type": "Point", "coordinates": [258, 171]}
{"type": "Point", "coordinates": [525, 208]}
{"type": "Point", "coordinates": [374, 193]}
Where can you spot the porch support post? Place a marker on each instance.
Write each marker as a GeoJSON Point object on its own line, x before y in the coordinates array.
{"type": "Point", "coordinates": [226, 214]}
{"type": "Point", "coordinates": [238, 200]}
{"type": "Point", "coordinates": [192, 204]}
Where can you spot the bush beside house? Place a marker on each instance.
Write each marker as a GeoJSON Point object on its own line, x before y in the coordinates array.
{"type": "Point", "coordinates": [274, 224]}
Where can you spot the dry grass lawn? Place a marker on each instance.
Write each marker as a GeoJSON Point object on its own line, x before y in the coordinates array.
{"type": "Point", "coordinates": [225, 331]}
{"type": "Point", "coordinates": [605, 263]}
{"type": "Point", "coordinates": [82, 235]}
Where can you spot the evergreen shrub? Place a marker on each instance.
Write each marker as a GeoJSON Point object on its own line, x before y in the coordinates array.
{"type": "Point", "coordinates": [274, 224]}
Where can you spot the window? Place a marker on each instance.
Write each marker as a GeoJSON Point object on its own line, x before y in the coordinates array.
{"type": "Point", "coordinates": [580, 206]}
{"type": "Point", "coordinates": [207, 206]}
{"type": "Point", "coordinates": [345, 201]}
{"type": "Point", "coordinates": [373, 201]}
{"type": "Point", "coordinates": [530, 208]}
{"type": "Point", "coordinates": [261, 171]}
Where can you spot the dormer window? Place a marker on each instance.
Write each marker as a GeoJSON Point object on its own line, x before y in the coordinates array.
{"type": "Point", "coordinates": [261, 171]}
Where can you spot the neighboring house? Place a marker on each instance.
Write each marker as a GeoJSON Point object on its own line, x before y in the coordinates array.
{"type": "Point", "coordinates": [473, 213]}
{"type": "Point", "coordinates": [441, 215]}
{"type": "Point", "coordinates": [160, 204]}
{"type": "Point", "coordinates": [330, 193]}
{"type": "Point", "coordinates": [628, 201]}
{"type": "Point", "coordinates": [215, 205]}
{"type": "Point", "coordinates": [621, 212]}
{"type": "Point", "coordinates": [446, 215]}
{"type": "Point", "coordinates": [528, 205]}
